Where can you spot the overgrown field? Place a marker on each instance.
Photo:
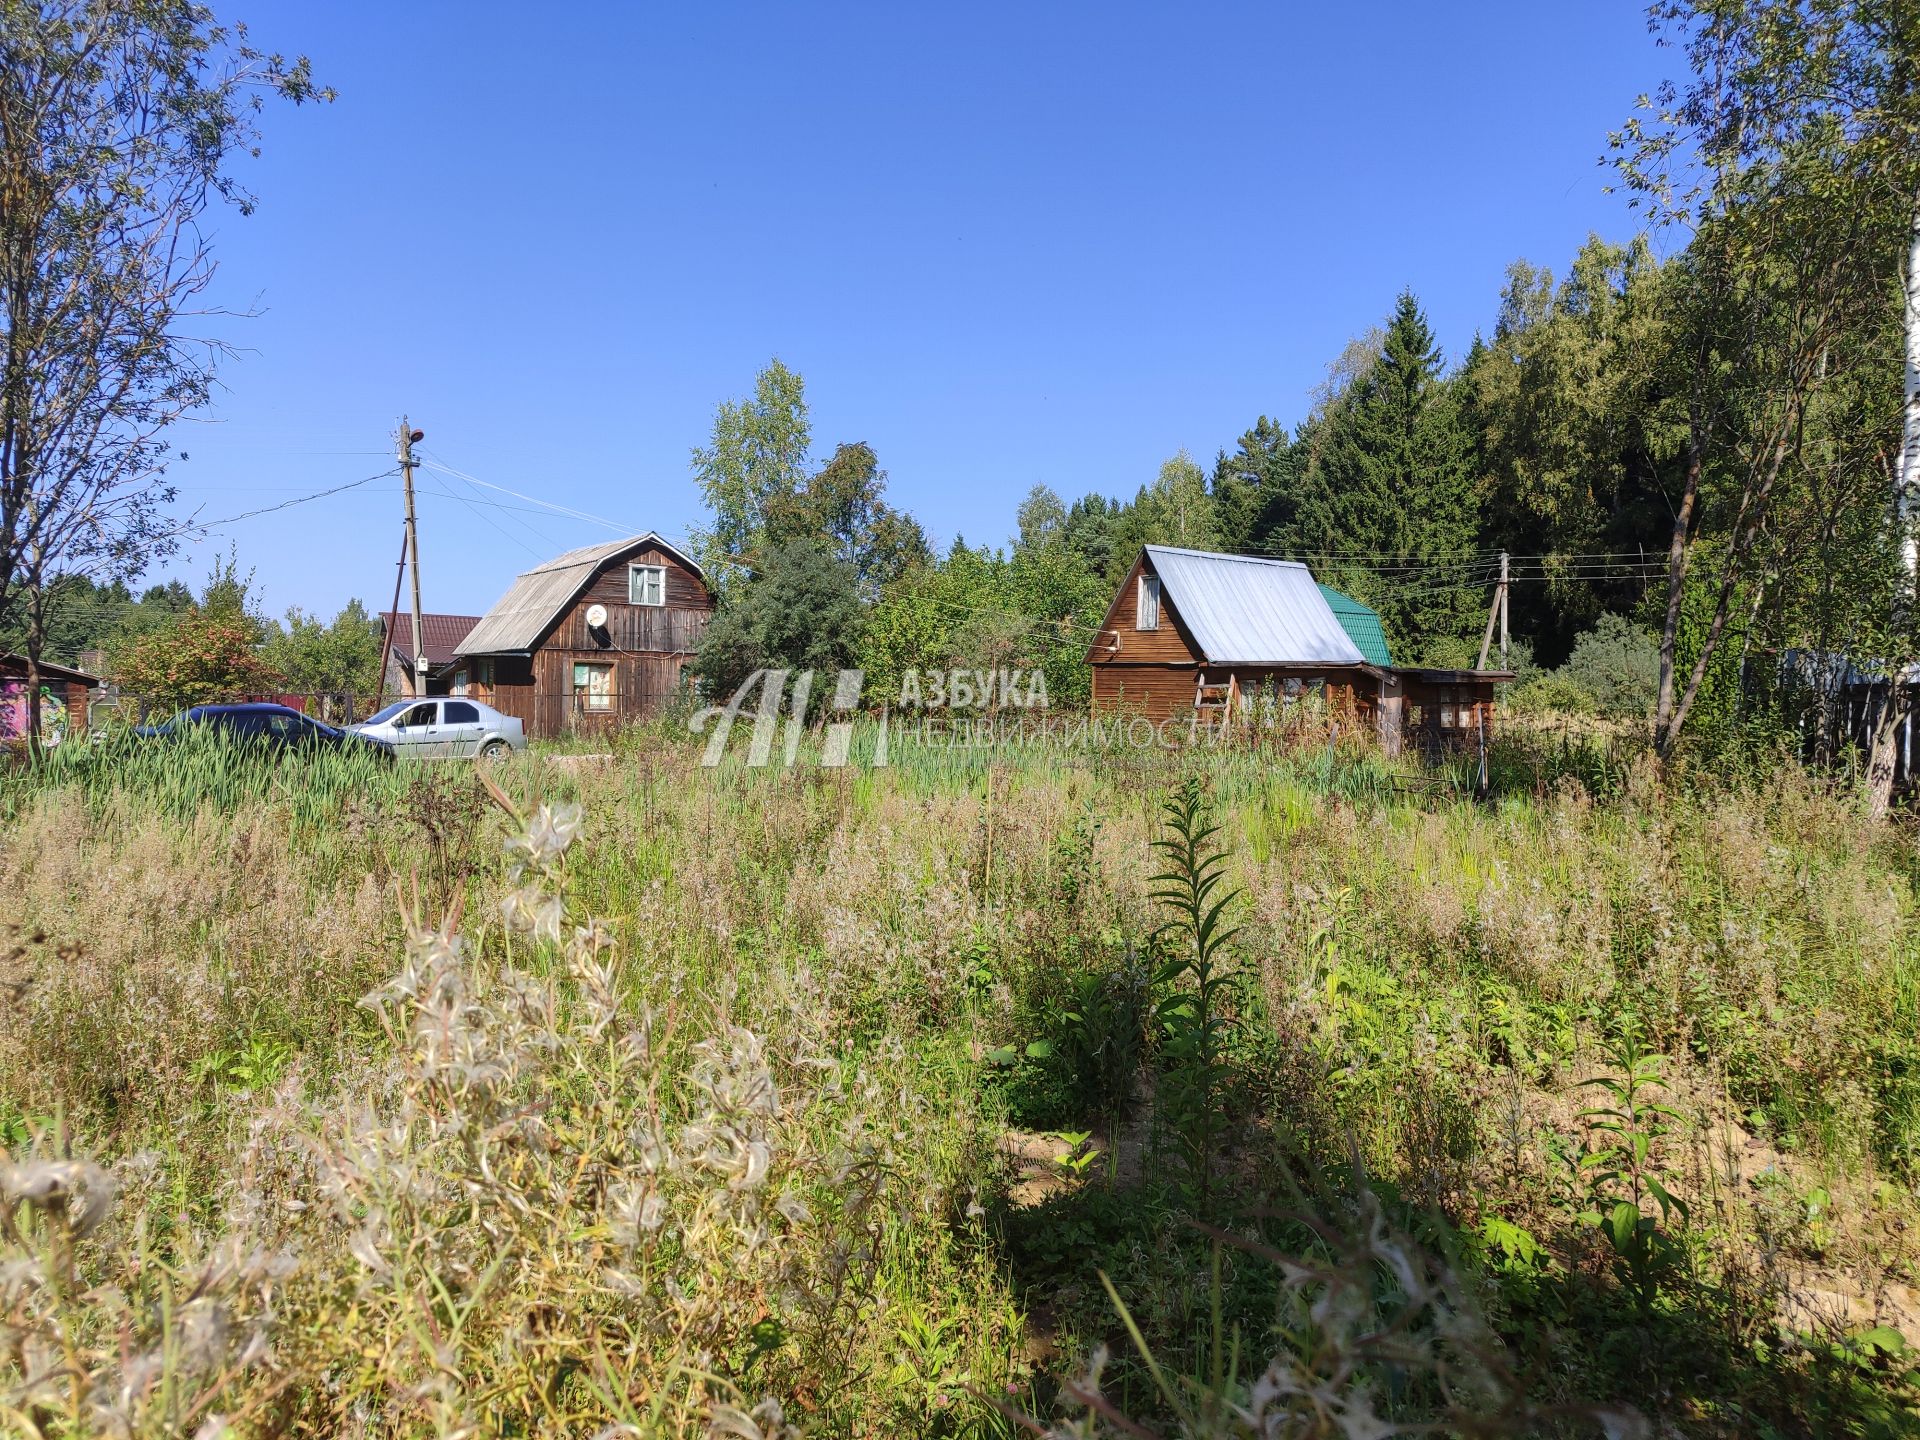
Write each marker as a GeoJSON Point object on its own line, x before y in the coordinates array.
{"type": "Point", "coordinates": [966, 1096]}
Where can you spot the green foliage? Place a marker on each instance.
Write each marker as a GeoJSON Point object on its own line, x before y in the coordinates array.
{"type": "Point", "coordinates": [1617, 665]}
{"type": "Point", "coordinates": [1388, 477]}
{"type": "Point", "coordinates": [801, 610]}
{"type": "Point", "coordinates": [1177, 509]}
{"type": "Point", "coordinates": [756, 459]}
{"type": "Point", "coordinates": [980, 609]}
{"type": "Point", "coordinates": [319, 658]}
{"type": "Point", "coordinates": [202, 657]}
{"type": "Point", "coordinates": [1629, 1193]}
{"type": "Point", "coordinates": [760, 485]}
{"type": "Point", "coordinates": [1578, 441]}
{"type": "Point", "coordinates": [1195, 1011]}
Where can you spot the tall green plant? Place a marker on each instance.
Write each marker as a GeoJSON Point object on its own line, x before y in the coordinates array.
{"type": "Point", "coordinates": [1622, 1172]}
{"type": "Point", "coordinates": [1192, 1013]}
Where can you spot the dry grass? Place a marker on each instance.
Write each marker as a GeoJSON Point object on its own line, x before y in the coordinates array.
{"type": "Point", "coordinates": [686, 1120]}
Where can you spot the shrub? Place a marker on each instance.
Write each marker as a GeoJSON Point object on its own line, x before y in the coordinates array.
{"type": "Point", "coordinates": [1618, 664]}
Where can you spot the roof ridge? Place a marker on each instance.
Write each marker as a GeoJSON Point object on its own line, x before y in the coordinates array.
{"type": "Point", "coordinates": [1227, 555]}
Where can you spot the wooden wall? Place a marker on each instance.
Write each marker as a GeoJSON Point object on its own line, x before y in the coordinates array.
{"type": "Point", "coordinates": [647, 646]}
{"type": "Point", "coordinates": [1122, 642]}
{"type": "Point", "coordinates": [1155, 691]}
{"type": "Point", "coordinates": [1142, 672]}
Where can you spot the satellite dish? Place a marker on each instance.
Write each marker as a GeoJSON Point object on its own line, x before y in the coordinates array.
{"type": "Point", "coordinates": [597, 617]}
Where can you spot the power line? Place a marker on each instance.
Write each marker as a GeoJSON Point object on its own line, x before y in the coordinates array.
{"type": "Point", "coordinates": [440, 489]}
{"type": "Point", "coordinates": [208, 525]}
{"type": "Point", "coordinates": [568, 511]}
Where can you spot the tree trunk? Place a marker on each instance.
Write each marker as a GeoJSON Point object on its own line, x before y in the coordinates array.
{"type": "Point", "coordinates": [36, 643]}
{"type": "Point", "coordinates": [1880, 766]}
{"type": "Point", "coordinates": [1664, 730]}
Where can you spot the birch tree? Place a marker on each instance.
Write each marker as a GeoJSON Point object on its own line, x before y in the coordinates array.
{"type": "Point", "coordinates": [118, 123]}
{"type": "Point", "coordinates": [1792, 154]}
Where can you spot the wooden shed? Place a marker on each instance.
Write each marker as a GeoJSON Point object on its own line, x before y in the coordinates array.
{"type": "Point", "coordinates": [64, 697]}
{"type": "Point", "coordinates": [591, 639]}
{"type": "Point", "coordinates": [1192, 632]}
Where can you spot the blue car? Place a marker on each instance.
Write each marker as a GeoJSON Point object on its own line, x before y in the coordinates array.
{"type": "Point", "coordinates": [278, 727]}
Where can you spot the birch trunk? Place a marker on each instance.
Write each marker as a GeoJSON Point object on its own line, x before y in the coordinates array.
{"type": "Point", "coordinates": [1883, 762]}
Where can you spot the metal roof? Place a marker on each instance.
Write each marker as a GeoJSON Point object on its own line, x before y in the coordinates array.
{"type": "Point", "coordinates": [1247, 610]}
{"type": "Point", "coordinates": [1361, 623]}
{"type": "Point", "coordinates": [440, 636]}
{"type": "Point", "coordinates": [534, 601]}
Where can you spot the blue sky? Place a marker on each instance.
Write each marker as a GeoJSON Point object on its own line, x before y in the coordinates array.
{"type": "Point", "coordinates": [1005, 244]}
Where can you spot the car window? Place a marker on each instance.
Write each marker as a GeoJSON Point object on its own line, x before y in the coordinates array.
{"type": "Point", "coordinates": [386, 713]}
{"type": "Point", "coordinates": [459, 712]}
{"type": "Point", "coordinates": [240, 722]}
{"type": "Point", "coordinates": [418, 715]}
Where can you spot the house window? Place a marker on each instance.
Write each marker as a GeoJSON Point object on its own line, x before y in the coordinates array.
{"type": "Point", "coordinates": [485, 676]}
{"type": "Point", "coordinates": [1147, 608]}
{"type": "Point", "coordinates": [593, 686]}
{"type": "Point", "coordinates": [647, 584]}
{"type": "Point", "coordinates": [459, 685]}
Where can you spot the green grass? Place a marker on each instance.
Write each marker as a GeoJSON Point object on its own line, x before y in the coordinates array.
{"type": "Point", "coordinates": [902, 984]}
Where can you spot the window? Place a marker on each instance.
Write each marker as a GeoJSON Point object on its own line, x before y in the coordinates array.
{"type": "Point", "coordinates": [647, 584]}
{"type": "Point", "coordinates": [459, 712]}
{"type": "Point", "coordinates": [593, 686]}
{"type": "Point", "coordinates": [418, 717]}
{"type": "Point", "coordinates": [486, 674]}
{"type": "Point", "coordinates": [459, 685]}
{"type": "Point", "coordinates": [1146, 614]}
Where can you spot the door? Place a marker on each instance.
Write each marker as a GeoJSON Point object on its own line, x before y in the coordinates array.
{"type": "Point", "coordinates": [460, 729]}
{"type": "Point", "coordinates": [416, 730]}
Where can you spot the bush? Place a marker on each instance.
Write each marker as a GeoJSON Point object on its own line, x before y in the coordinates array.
{"type": "Point", "coordinates": [1618, 664]}
{"type": "Point", "coordinates": [1551, 691]}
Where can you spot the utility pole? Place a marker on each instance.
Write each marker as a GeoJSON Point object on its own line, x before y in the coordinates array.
{"type": "Point", "coordinates": [1496, 615]}
{"type": "Point", "coordinates": [387, 622]}
{"type": "Point", "coordinates": [1504, 592]}
{"type": "Point", "coordinates": [407, 436]}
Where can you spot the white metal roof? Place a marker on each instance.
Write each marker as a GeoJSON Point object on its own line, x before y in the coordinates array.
{"type": "Point", "coordinates": [536, 599]}
{"type": "Point", "coordinates": [1246, 610]}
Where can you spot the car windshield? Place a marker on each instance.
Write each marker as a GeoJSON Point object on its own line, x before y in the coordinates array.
{"type": "Point", "coordinates": [380, 717]}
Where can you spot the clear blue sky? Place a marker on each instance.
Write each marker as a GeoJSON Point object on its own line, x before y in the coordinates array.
{"type": "Point", "coordinates": [1003, 243]}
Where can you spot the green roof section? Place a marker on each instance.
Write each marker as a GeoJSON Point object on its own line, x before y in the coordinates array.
{"type": "Point", "coordinates": [1361, 624]}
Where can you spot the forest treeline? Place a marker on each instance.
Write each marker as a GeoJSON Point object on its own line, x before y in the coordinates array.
{"type": "Point", "coordinates": [1697, 449]}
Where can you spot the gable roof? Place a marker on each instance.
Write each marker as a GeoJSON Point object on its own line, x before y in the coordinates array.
{"type": "Point", "coordinates": [1249, 610]}
{"type": "Point", "coordinates": [539, 596]}
{"type": "Point", "coordinates": [440, 636]}
{"type": "Point", "coordinates": [1362, 625]}
{"type": "Point", "coordinates": [13, 664]}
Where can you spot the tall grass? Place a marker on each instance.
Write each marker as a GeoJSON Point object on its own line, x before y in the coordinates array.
{"type": "Point", "coordinates": [341, 1102]}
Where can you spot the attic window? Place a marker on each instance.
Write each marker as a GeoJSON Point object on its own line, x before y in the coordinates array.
{"type": "Point", "coordinates": [1146, 615]}
{"type": "Point", "coordinates": [647, 584]}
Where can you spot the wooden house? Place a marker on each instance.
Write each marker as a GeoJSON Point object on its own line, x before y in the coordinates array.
{"type": "Point", "coordinates": [590, 639]}
{"type": "Point", "coordinates": [440, 637]}
{"type": "Point", "coordinates": [1196, 633]}
{"type": "Point", "coordinates": [65, 695]}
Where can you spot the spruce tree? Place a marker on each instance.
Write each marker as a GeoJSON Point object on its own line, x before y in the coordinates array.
{"type": "Point", "coordinates": [1385, 510]}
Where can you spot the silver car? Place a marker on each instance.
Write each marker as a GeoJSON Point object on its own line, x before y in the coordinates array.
{"type": "Point", "coordinates": [445, 728]}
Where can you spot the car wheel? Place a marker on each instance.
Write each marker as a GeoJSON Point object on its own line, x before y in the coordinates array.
{"type": "Point", "coordinates": [494, 751]}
